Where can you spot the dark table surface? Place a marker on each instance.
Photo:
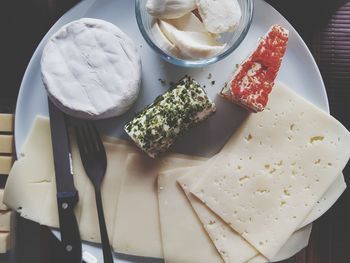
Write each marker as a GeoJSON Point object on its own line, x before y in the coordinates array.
{"type": "Point", "coordinates": [321, 23]}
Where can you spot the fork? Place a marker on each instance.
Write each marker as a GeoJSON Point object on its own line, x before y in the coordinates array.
{"type": "Point", "coordinates": [93, 157]}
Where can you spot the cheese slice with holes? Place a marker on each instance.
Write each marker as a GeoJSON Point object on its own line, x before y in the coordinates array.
{"type": "Point", "coordinates": [231, 246]}
{"type": "Point", "coordinates": [137, 228]}
{"type": "Point", "coordinates": [274, 169]}
{"type": "Point", "coordinates": [91, 69]}
{"type": "Point", "coordinates": [183, 236]}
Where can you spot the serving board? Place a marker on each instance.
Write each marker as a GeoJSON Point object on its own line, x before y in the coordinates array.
{"type": "Point", "coordinates": [299, 71]}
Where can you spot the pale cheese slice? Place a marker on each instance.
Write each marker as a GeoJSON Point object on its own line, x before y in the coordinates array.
{"type": "Point", "coordinates": [6, 122]}
{"type": "Point", "coordinates": [6, 143]}
{"type": "Point", "coordinates": [137, 228]}
{"type": "Point", "coordinates": [5, 242]}
{"type": "Point", "coordinates": [5, 221]}
{"type": "Point", "coordinates": [31, 186]}
{"type": "Point", "coordinates": [3, 207]}
{"type": "Point", "coordinates": [116, 158]}
{"type": "Point", "coordinates": [184, 238]}
{"type": "Point", "coordinates": [5, 164]}
{"type": "Point", "coordinates": [326, 201]}
{"type": "Point", "coordinates": [31, 175]}
{"type": "Point", "coordinates": [274, 169]}
{"type": "Point", "coordinates": [231, 246]}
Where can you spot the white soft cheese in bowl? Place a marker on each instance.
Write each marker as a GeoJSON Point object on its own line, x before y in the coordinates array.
{"type": "Point", "coordinates": [91, 69]}
{"type": "Point", "coordinates": [193, 33]}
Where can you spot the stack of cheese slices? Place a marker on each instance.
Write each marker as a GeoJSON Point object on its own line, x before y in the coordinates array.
{"type": "Point", "coordinates": [248, 203]}
{"type": "Point", "coordinates": [6, 160]}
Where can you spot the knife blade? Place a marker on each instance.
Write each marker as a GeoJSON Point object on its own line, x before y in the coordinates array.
{"type": "Point", "coordinates": [67, 195]}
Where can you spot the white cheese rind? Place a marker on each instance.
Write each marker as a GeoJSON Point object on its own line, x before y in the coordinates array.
{"type": "Point", "coordinates": [169, 9]}
{"type": "Point", "coordinates": [184, 239]}
{"type": "Point", "coordinates": [219, 16]}
{"type": "Point", "coordinates": [274, 169]}
{"type": "Point", "coordinates": [91, 69]}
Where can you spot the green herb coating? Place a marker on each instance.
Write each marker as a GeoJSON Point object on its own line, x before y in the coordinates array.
{"type": "Point", "coordinates": [157, 127]}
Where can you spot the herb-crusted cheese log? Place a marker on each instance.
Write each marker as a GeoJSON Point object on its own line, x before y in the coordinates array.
{"type": "Point", "coordinates": [157, 127]}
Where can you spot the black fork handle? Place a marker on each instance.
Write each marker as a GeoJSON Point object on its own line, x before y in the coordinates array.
{"type": "Point", "coordinates": [106, 248]}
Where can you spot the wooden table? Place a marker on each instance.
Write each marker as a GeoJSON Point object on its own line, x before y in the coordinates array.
{"type": "Point", "coordinates": [24, 23]}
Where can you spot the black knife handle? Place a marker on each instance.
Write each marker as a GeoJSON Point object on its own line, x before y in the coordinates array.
{"type": "Point", "coordinates": [70, 237]}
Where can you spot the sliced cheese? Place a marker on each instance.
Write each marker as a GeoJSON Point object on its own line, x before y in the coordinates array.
{"type": "Point", "coordinates": [219, 16]}
{"type": "Point", "coordinates": [6, 122]}
{"type": "Point", "coordinates": [31, 175]}
{"type": "Point", "coordinates": [136, 227]}
{"type": "Point", "coordinates": [231, 246]}
{"type": "Point", "coordinates": [5, 164]}
{"type": "Point", "coordinates": [326, 201]}
{"type": "Point", "coordinates": [294, 244]}
{"type": "Point", "coordinates": [5, 221]}
{"type": "Point", "coordinates": [3, 207]}
{"type": "Point", "coordinates": [192, 44]}
{"type": "Point", "coordinates": [279, 159]}
{"type": "Point", "coordinates": [6, 143]}
{"type": "Point", "coordinates": [184, 239]}
{"type": "Point", "coordinates": [5, 242]}
{"type": "Point", "coordinates": [31, 186]}
{"type": "Point", "coordinates": [116, 158]}
{"type": "Point", "coordinates": [91, 69]}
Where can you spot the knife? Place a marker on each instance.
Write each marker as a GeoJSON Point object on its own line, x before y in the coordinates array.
{"type": "Point", "coordinates": [67, 195]}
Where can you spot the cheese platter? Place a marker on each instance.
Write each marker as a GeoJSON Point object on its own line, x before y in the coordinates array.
{"type": "Point", "coordinates": [137, 232]}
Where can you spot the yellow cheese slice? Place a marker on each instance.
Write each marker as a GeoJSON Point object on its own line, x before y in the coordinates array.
{"type": "Point", "coordinates": [6, 143]}
{"type": "Point", "coordinates": [5, 221]}
{"type": "Point", "coordinates": [231, 246]}
{"type": "Point", "coordinates": [116, 158]}
{"type": "Point", "coordinates": [6, 122]}
{"type": "Point", "coordinates": [5, 242]}
{"type": "Point", "coordinates": [137, 228]}
{"type": "Point", "coordinates": [184, 238]}
{"type": "Point", "coordinates": [31, 176]}
{"type": "Point", "coordinates": [274, 169]}
{"type": "Point", "coordinates": [3, 207]}
{"type": "Point", "coordinates": [5, 164]}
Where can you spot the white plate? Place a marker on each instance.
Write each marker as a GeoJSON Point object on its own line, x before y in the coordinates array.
{"type": "Point", "coordinates": [298, 71]}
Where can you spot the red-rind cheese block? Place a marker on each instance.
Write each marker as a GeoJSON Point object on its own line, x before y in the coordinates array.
{"type": "Point", "coordinates": [253, 81]}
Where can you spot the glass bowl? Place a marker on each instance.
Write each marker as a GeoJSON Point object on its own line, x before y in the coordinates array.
{"type": "Point", "coordinates": [231, 39]}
